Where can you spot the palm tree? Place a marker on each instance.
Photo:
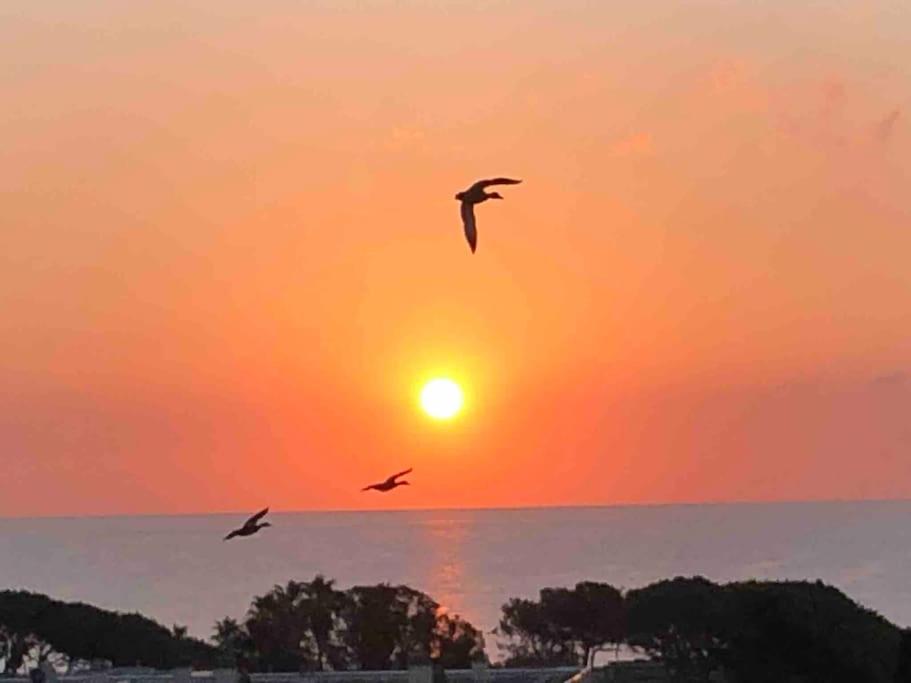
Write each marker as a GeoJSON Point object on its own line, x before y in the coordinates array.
{"type": "Point", "coordinates": [324, 607]}
{"type": "Point", "coordinates": [278, 627]}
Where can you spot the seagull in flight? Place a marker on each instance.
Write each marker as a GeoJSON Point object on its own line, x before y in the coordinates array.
{"type": "Point", "coordinates": [251, 526]}
{"type": "Point", "coordinates": [390, 483]}
{"type": "Point", "coordinates": [475, 195]}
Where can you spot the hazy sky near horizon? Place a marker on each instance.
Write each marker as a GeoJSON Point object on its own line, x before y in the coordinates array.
{"type": "Point", "coordinates": [230, 252]}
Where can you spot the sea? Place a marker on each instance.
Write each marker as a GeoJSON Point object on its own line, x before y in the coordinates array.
{"type": "Point", "coordinates": [178, 570]}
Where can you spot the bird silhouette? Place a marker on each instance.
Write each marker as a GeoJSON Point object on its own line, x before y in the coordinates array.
{"type": "Point", "coordinates": [251, 526]}
{"type": "Point", "coordinates": [475, 195]}
{"type": "Point", "coordinates": [390, 483]}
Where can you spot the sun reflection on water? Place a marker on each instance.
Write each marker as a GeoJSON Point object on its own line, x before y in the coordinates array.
{"type": "Point", "coordinates": [447, 580]}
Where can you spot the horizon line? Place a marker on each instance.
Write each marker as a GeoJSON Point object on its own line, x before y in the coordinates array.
{"type": "Point", "coordinates": [484, 508]}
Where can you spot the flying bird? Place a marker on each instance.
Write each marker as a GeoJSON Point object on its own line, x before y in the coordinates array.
{"type": "Point", "coordinates": [475, 195]}
{"type": "Point", "coordinates": [251, 526]}
{"type": "Point", "coordinates": [390, 483]}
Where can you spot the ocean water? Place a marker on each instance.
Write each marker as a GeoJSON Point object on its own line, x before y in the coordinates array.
{"type": "Point", "coordinates": [178, 570]}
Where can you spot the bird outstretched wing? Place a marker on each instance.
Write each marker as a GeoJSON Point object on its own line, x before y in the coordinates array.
{"type": "Point", "coordinates": [481, 184]}
{"type": "Point", "coordinates": [255, 518]}
{"type": "Point", "coordinates": [471, 230]}
{"type": "Point", "coordinates": [401, 474]}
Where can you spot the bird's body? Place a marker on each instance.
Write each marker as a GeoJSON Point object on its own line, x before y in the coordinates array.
{"type": "Point", "coordinates": [251, 526]}
{"type": "Point", "coordinates": [389, 483]}
{"type": "Point", "coordinates": [477, 194]}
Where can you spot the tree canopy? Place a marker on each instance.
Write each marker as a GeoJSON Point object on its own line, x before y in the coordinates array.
{"type": "Point", "coordinates": [314, 626]}
{"type": "Point", "coordinates": [34, 625]}
{"type": "Point", "coordinates": [563, 626]}
{"type": "Point", "coordinates": [754, 632]}
{"type": "Point", "coordinates": [681, 623]}
{"type": "Point", "coordinates": [801, 630]}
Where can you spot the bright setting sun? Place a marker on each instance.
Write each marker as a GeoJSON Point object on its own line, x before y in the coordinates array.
{"type": "Point", "coordinates": [441, 398]}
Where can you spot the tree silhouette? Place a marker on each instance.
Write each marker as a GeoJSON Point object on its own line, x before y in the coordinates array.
{"type": "Point", "coordinates": [564, 626]}
{"type": "Point", "coordinates": [278, 625]}
{"type": "Point", "coordinates": [324, 609]}
{"type": "Point", "coordinates": [33, 626]}
{"type": "Point", "coordinates": [680, 622]}
{"type": "Point", "coordinates": [312, 625]}
{"type": "Point", "coordinates": [779, 631]}
{"type": "Point", "coordinates": [234, 643]}
{"type": "Point", "coordinates": [903, 668]}
{"type": "Point", "coordinates": [389, 627]}
{"type": "Point", "coordinates": [757, 632]}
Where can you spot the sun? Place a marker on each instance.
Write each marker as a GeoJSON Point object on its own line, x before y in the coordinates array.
{"type": "Point", "coordinates": [441, 398]}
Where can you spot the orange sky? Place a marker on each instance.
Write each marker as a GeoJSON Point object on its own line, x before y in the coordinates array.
{"type": "Point", "coordinates": [230, 252]}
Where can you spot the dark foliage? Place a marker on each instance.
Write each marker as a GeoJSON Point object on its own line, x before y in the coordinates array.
{"type": "Point", "coordinates": [903, 668]}
{"type": "Point", "coordinates": [313, 626]}
{"type": "Point", "coordinates": [563, 626]}
{"type": "Point", "coordinates": [803, 631]}
{"type": "Point", "coordinates": [681, 623]}
{"type": "Point", "coordinates": [753, 632]}
{"type": "Point", "coordinates": [234, 643]}
{"type": "Point", "coordinates": [30, 622]}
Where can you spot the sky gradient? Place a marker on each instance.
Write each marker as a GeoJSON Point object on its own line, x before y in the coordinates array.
{"type": "Point", "coordinates": [231, 254]}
